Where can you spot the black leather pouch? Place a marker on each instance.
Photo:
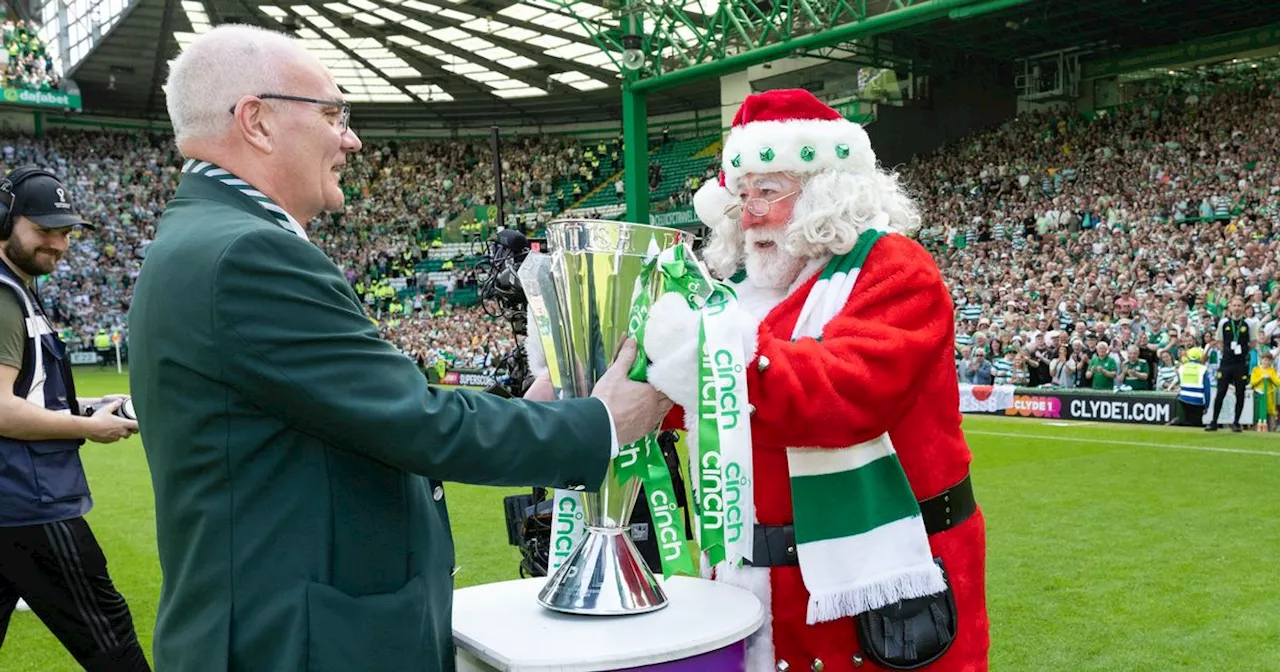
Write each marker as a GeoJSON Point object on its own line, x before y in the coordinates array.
{"type": "Point", "coordinates": [909, 634]}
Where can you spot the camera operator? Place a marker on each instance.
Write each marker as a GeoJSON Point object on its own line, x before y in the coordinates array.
{"type": "Point", "coordinates": [48, 555]}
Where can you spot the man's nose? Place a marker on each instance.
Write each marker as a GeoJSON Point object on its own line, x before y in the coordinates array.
{"type": "Point", "coordinates": [750, 221]}
{"type": "Point", "coordinates": [351, 141]}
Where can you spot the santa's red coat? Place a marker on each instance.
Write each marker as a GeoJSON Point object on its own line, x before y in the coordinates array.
{"type": "Point", "coordinates": [885, 363]}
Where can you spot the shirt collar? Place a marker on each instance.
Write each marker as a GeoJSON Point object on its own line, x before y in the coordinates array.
{"type": "Point", "coordinates": [283, 218]}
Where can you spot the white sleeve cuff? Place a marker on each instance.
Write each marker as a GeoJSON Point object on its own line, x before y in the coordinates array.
{"type": "Point", "coordinates": [613, 431]}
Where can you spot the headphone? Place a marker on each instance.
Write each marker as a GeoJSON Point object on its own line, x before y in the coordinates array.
{"type": "Point", "coordinates": [8, 185]}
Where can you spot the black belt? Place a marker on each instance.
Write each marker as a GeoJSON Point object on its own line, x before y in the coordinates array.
{"type": "Point", "coordinates": [775, 545]}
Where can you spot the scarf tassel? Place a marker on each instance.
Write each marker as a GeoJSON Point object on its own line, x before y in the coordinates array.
{"type": "Point", "coordinates": [916, 582]}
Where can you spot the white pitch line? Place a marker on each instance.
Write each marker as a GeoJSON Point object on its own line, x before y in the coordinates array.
{"type": "Point", "coordinates": [1174, 446]}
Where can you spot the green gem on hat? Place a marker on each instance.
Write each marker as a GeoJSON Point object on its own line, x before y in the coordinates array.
{"type": "Point", "coordinates": [808, 153]}
{"type": "Point", "coordinates": [737, 161]}
{"type": "Point", "coordinates": [766, 154]}
{"type": "Point", "coordinates": [842, 151]}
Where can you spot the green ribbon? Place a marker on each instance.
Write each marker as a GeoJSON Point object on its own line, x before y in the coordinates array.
{"type": "Point", "coordinates": [643, 459]}
{"type": "Point", "coordinates": [712, 536]}
{"type": "Point", "coordinates": [674, 272]}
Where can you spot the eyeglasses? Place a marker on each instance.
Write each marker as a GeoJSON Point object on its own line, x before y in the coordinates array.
{"type": "Point", "coordinates": [756, 206]}
{"type": "Point", "coordinates": [344, 106]}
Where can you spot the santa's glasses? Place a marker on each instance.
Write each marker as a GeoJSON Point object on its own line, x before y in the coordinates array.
{"type": "Point", "coordinates": [757, 206]}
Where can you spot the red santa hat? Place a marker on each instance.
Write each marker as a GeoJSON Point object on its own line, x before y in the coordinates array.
{"type": "Point", "coordinates": [787, 130]}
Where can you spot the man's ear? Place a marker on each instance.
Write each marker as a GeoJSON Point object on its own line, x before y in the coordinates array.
{"type": "Point", "coordinates": [255, 123]}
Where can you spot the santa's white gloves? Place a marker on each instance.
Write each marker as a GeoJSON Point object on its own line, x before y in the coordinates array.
{"type": "Point", "coordinates": [671, 344]}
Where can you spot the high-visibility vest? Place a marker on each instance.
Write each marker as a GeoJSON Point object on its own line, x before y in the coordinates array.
{"type": "Point", "coordinates": [1193, 388]}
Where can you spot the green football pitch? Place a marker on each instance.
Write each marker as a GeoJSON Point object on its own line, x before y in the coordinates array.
{"type": "Point", "coordinates": [1111, 547]}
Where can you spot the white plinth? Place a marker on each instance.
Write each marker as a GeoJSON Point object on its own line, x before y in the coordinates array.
{"type": "Point", "coordinates": [501, 626]}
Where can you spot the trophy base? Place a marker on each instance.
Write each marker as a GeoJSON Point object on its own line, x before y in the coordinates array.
{"type": "Point", "coordinates": [603, 576]}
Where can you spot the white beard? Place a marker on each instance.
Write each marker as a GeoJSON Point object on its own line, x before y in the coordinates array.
{"type": "Point", "coordinates": [771, 267]}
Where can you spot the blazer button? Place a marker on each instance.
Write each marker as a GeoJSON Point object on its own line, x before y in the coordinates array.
{"type": "Point", "coordinates": [438, 493]}
{"type": "Point", "coordinates": [762, 364]}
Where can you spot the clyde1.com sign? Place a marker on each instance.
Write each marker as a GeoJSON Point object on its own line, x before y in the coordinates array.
{"type": "Point", "coordinates": [1119, 408]}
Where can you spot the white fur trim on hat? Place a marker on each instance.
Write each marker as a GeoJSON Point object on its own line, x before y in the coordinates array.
{"type": "Point", "coordinates": [780, 146]}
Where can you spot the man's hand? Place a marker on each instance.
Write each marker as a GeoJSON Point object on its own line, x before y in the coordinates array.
{"type": "Point", "coordinates": [540, 390]}
{"type": "Point", "coordinates": [106, 427]}
{"type": "Point", "coordinates": [637, 408]}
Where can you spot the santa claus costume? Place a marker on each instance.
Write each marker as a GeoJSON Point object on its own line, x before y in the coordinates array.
{"type": "Point", "coordinates": [879, 365]}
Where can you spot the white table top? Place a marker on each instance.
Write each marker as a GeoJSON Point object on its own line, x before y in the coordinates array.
{"type": "Point", "coordinates": [503, 625]}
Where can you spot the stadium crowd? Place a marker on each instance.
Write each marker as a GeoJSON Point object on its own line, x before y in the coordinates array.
{"type": "Point", "coordinates": [398, 191]}
{"type": "Point", "coordinates": [29, 65]}
{"type": "Point", "coordinates": [1124, 236]}
{"type": "Point", "coordinates": [1059, 235]}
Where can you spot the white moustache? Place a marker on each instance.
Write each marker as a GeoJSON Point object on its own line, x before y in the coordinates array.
{"type": "Point", "coordinates": [756, 236]}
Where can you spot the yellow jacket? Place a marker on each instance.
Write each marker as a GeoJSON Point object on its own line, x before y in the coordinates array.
{"type": "Point", "coordinates": [1256, 380]}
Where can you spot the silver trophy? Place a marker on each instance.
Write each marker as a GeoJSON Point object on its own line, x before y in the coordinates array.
{"type": "Point", "coordinates": [580, 295]}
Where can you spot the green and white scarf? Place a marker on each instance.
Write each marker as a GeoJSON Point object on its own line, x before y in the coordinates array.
{"type": "Point", "coordinates": [859, 533]}
{"type": "Point", "coordinates": [284, 219]}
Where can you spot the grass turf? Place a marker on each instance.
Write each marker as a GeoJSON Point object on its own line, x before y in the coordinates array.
{"type": "Point", "coordinates": [1111, 547]}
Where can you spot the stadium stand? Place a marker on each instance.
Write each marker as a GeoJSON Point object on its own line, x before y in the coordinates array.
{"type": "Point", "coordinates": [676, 167]}
{"type": "Point", "coordinates": [28, 65]}
{"type": "Point", "coordinates": [1132, 226]}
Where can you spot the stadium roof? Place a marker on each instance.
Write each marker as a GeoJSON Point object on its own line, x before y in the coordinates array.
{"type": "Point", "coordinates": [452, 62]}
{"type": "Point", "coordinates": [1098, 26]}
{"type": "Point", "coordinates": [469, 63]}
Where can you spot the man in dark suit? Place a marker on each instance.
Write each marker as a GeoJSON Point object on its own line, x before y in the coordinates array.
{"type": "Point", "coordinates": [297, 458]}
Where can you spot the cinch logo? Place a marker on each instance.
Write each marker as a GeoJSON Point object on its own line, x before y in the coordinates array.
{"type": "Point", "coordinates": [725, 408]}
{"type": "Point", "coordinates": [629, 454]}
{"type": "Point", "coordinates": [639, 315]}
{"type": "Point", "coordinates": [712, 487]}
{"type": "Point", "coordinates": [566, 522]}
{"type": "Point", "coordinates": [1039, 407]}
{"type": "Point", "coordinates": [717, 302]}
{"type": "Point", "coordinates": [664, 517]}
{"type": "Point", "coordinates": [733, 484]}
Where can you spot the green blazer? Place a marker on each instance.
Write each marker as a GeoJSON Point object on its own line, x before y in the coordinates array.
{"type": "Point", "coordinates": [297, 457]}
